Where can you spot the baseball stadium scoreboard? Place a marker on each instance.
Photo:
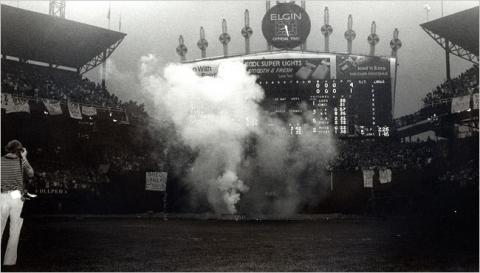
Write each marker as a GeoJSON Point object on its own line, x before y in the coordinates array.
{"type": "Point", "coordinates": [341, 94]}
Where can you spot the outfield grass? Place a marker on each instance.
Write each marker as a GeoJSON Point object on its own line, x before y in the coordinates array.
{"type": "Point", "coordinates": [150, 244]}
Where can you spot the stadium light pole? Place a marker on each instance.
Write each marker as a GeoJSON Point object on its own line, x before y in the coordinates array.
{"type": "Point", "coordinates": [350, 34]}
{"type": "Point", "coordinates": [202, 43]}
{"type": "Point", "coordinates": [427, 10]}
{"type": "Point", "coordinates": [247, 32]}
{"type": "Point", "coordinates": [224, 38]}
{"type": "Point", "coordinates": [395, 44]}
{"type": "Point", "coordinates": [181, 49]}
{"type": "Point", "coordinates": [373, 38]}
{"type": "Point", "coordinates": [326, 29]}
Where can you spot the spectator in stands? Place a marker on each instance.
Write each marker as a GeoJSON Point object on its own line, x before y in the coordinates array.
{"type": "Point", "coordinates": [466, 83]}
{"type": "Point", "coordinates": [43, 82]}
{"type": "Point", "coordinates": [355, 156]}
{"type": "Point", "coordinates": [14, 166]}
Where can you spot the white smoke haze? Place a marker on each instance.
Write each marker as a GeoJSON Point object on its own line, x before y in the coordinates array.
{"type": "Point", "coordinates": [126, 85]}
{"type": "Point", "coordinates": [288, 170]}
{"type": "Point", "coordinates": [210, 115]}
{"type": "Point", "coordinates": [237, 167]}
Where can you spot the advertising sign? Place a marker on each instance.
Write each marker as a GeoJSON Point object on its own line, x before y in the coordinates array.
{"type": "Point", "coordinates": [155, 181]}
{"type": "Point", "coordinates": [206, 70]}
{"type": "Point", "coordinates": [290, 69]}
{"type": "Point", "coordinates": [286, 25]}
{"type": "Point", "coordinates": [345, 95]}
{"type": "Point", "coordinates": [362, 67]}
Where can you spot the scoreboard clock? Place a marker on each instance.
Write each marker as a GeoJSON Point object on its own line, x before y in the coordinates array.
{"type": "Point", "coordinates": [286, 25]}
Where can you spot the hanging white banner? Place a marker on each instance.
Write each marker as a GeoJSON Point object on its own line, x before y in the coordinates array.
{"type": "Point", "coordinates": [475, 100]}
{"type": "Point", "coordinates": [74, 110]}
{"type": "Point", "coordinates": [53, 107]}
{"type": "Point", "coordinates": [460, 104]}
{"type": "Point", "coordinates": [16, 104]}
{"type": "Point", "coordinates": [385, 176]}
{"type": "Point", "coordinates": [368, 178]}
{"type": "Point", "coordinates": [89, 110]}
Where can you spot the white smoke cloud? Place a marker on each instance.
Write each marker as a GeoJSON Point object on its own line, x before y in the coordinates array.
{"type": "Point", "coordinates": [126, 85]}
{"type": "Point", "coordinates": [210, 115]}
{"type": "Point", "coordinates": [264, 168]}
{"type": "Point", "coordinates": [288, 170]}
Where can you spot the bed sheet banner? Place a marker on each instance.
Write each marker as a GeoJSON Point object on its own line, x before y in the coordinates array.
{"type": "Point", "coordinates": [53, 107]}
{"type": "Point", "coordinates": [16, 104]}
{"type": "Point", "coordinates": [156, 181]}
{"type": "Point", "coordinates": [385, 176]}
{"type": "Point", "coordinates": [368, 178]}
{"type": "Point", "coordinates": [475, 100]}
{"type": "Point", "coordinates": [89, 111]}
{"type": "Point", "coordinates": [460, 104]}
{"type": "Point", "coordinates": [74, 110]}
{"type": "Point", "coordinates": [5, 99]}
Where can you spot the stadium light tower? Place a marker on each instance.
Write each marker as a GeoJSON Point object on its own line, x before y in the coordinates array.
{"type": "Point", "coordinates": [326, 29]}
{"type": "Point", "coordinates": [181, 48]}
{"type": "Point", "coordinates": [247, 32]}
{"type": "Point", "coordinates": [395, 43]}
{"type": "Point", "coordinates": [224, 38]}
{"type": "Point", "coordinates": [427, 10]}
{"type": "Point", "coordinates": [373, 38]}
{"type": "Point", "coordinates": [350, 34]}
{"type": "Point", "coordinates": [57, 8]}
{"type": "Point", "coordinates": [202, 43]}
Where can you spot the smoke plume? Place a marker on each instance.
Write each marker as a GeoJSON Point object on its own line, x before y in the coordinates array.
{"type": "Point", "coordinates": [245, 160]}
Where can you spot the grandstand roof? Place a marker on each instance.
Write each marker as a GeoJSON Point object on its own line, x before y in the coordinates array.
{"type": "Point", "coordinates": [41, 37]}
{"type": "Point", "coordinates": [460, 28]}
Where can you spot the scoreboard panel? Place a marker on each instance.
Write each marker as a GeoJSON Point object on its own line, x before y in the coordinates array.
{"type": "Point", "coordinates": [342, 107]}
{"type": "Point", "coordinates": [346, 95]}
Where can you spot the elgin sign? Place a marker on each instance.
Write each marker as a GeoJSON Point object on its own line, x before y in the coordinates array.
{"type": "Point", "coordinates": [286, 26]}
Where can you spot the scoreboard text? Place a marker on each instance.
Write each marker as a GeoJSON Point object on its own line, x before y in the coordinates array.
{"type": "Point", "coordinates": [342, 107]}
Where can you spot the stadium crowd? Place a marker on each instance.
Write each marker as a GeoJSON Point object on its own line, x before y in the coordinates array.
{"type": "Point", "coordinates": [465, 84]}
{"type": "Point", "coordinates": [75, 174]}
{"type": "Point", "coordinates": [463, 175]}
{"type": "Point", "coordinates": [44, 82]}
{"type": "Point", "coordinates": [438, 102]}
{"type": "Point", "coordinates": [56, 176]}
{"type": "Point", "coordinates": [365, 154]}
